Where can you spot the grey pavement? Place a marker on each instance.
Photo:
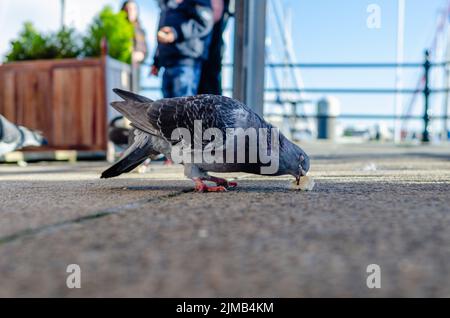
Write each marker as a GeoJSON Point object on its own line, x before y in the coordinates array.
{"type": "Point", "coordinates": [149, 235]}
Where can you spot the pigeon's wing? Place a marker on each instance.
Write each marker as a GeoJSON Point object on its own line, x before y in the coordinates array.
{"type": "Point", "coordinates": [132, 96]}
{"type": "Point", "coordinates": [167, 115]}
{"type": "Point", "coordinates": [136, 154]}
{"type": "Point", "coordinates": [136, 112]}
{"type": "Point", "coordinates": [135, 107]}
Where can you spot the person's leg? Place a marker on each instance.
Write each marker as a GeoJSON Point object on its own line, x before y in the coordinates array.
{"type": "Point", "coordinates": [197, 73]}
{"type": "Point", "coordinates": [167, 83]}
{"type": "Point", "coordinates": [186, 79]}
{"type": "Point", "coordinates": [211, 75]}
{"type": "Point", "coordinates": [168, 90]}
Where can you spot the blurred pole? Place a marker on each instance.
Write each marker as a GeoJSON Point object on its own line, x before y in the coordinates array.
{"type": "Point", "coordinates": [238, 58]}
{"type": "Point", "coordinates": [63, 13]}
{"type": "Point", "coordinates": [328, 109]}
{"type": "Point", "coordinates": [399, 71]}
{"type": "Point", "coordinates": [426, 95]}
{"type": "Point", "coordinates": [445, 106]}
{"type": "Point", "coordinates": [249, 53]}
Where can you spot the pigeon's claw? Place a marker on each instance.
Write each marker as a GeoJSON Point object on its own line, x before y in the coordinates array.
{"type": "Point", "coordinates": [200, 186]}
{"type": "Point", "coordinates": [206, 188]}
{"type": "Point", "coordinates": [222, 182]}
{"type": "Point", "coordinates": [232, 185]}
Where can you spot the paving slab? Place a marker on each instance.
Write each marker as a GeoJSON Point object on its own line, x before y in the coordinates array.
{"type": "Point", "coordinates": [148, 235]}
{"type": "Point", "coordinates": [48, 194]}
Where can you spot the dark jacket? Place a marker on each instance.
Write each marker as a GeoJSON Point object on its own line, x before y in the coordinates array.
{"type": "Point", "coordinates": [192, 22]}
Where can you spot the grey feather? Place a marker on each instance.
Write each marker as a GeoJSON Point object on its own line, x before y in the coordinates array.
{"type": "Point", "coordinates": [136, 154]}
{"type": "Point", "coordinates": [131, 96]}
{"type": "Point", "coordinates": [136, 113]}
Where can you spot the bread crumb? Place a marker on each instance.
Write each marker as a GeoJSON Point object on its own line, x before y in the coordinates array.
{"type": "Point", "coordinates": [306, 184]}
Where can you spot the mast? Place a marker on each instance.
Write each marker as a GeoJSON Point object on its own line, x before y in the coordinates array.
{"type": "Point", "coordinates": [445, 106]}
{"type": "Point", "coordinates": [289, 56]}
{"type": "Point", "coordinates": [63, 13]}
{"type": "Point", "coordinates": [399, 71]}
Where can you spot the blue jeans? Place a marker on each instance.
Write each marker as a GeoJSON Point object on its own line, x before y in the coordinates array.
{"type": "Point", "coordinates": [181, 80]}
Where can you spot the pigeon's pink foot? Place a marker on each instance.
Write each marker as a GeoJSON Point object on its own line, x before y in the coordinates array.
{"type": "Point", "coordinates": [200, 186]}
{"type": "Point", "coordinates": [222, 182]}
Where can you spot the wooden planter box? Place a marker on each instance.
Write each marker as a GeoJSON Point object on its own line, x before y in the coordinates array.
{"type": "Point", "coordinates": [68, 100]}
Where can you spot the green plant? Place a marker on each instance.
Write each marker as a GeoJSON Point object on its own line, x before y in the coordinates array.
{"type": "Point", "coordinates": [117, 30]}
{"type": "Point", "coordinates": [66, 43]}
{"type": "Point", "coordinates": [33, 45]}
{"type": "Point", "coordinates": [29, 45]}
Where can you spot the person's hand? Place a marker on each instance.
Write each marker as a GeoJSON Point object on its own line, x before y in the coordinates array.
{"type": "Point", "coordinates": [138, 57]}
{"type": "Point", "coordinates": [154, 71]}
{"type": "Point", "coordinates": [166, 35]}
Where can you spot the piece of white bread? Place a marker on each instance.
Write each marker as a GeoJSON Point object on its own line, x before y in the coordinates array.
{"type": "Point", "coordinates": [306, 184]}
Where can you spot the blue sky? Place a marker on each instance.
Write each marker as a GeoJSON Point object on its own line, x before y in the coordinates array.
{"type": "Point", "coordinates": [336, 31]}
{"type": "Point", "coordinates": [323, 31]}
{"type": "Point", "coordinates": [325, 24]}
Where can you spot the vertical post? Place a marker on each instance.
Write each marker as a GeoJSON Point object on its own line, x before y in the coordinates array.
{"type": "Point", "coordinates": [249, 63]}
{"type": "Point", "coordinates": [445, 106]}
{"type": "Point", "coordinates": [426, 95]}
{"type": "Point", "coordinates": [399, 70]}
{"type": "Point", "coordinates": [63, 13]}
{"type": "Point", "coordinates": [238, 54]}
{"type": "Point", "coordinates": [446, 100]}
{"type": "Point", "coordinates": [446, 103]}
{"type": "Point", "coordinates": [328, 110]}
{"type": "Point", "coordinates": [294, 119]}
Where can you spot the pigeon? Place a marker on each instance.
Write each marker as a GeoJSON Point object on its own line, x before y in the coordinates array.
{"type": "Point", "coordinates": [14, 137]}
{"type": "Point", "coordinates": [155, 122]}
{"type": "Point", "coordinates": [118, 133]}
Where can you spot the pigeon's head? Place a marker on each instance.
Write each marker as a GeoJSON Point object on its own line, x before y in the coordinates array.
{"type": "Point", "coordinates": [32, 138]}
{"type": "Point", "coordinates": [301, 165]}
{"type": "Point", "coordinates": [293, 160]}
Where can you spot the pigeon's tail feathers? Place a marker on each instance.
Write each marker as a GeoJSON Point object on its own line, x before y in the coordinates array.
{"type": "Point", "coordinates": [138, 152]}
{"type": "Point", "coordinates": [129, 96]}
{"type": "Point", "coordinates": [136, 112]}
{"type": "Point", "coordinates": [126, 164]}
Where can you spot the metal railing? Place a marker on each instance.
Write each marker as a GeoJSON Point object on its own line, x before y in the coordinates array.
{"type": "Point", "coordinates": [426, 90]}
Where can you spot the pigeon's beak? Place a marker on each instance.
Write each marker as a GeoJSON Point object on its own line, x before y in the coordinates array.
{"type": "Point", "coordinates": [302, 172]}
